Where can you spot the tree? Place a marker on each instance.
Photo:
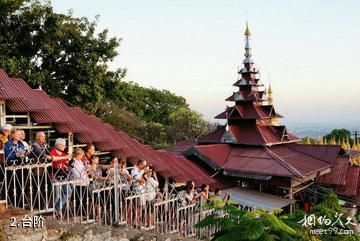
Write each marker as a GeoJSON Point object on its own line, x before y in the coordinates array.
{"type": "Point", "coordinates": [120, 118]}
{"type": "Point", "coordinates": [68, 57]}
{"type": "Point", "coordinates": [339, 135]}
{"type": "Point", "coordinates": [60, 52]}
{"type": "Point", "coordinates": [187, 124]}
{"type": "Point", "coordinates": [149, 104]}
{"type": "Point", "coordinates": [239, 225]}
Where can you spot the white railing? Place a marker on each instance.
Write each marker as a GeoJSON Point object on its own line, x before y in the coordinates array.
{"type": "Point", "coordinates": [31, 183]}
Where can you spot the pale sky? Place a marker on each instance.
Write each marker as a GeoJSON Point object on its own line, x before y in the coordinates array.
{"type": "Point", "coordinates": [308, 49]}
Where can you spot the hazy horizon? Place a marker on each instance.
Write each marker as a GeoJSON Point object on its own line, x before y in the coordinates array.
{"type": "Point", "coordinates": [308, 50]}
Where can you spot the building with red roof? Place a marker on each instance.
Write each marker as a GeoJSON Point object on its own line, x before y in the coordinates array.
{"type": "Point", "coordinates": [34, 110]}
{"type": "Point", "coordinates": [253, 150]}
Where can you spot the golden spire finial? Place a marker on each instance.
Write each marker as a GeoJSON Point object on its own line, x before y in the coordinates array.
{"type": "Point", "coordinates": [247, 30]}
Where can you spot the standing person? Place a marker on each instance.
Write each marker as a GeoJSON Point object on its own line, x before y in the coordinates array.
{"type": "Point", "coordinates": [187, 200]}
{"type": "Point", "coordinates": [22, 138]}
{"type": "Point", "coordinates": [125, 176]}
{"type": "Point", "coordinates": [5, 135]}
{"type": "Point", "coordinates": [59, 174]}
{"type": "Point", "coordinates": [217, 197]}
{"type": "Point", "coordinates": [78, 173]}
{"type": "Point", "coordinates": [40, 148]}
{"type": "Point", "coordinates": [137, 174]}
{"type": "Point", "coordinates": [14, 155]}
{"type": "Point", "coordinates": [26, 146]}
{"type": "Point", "coordinates": [138, 186]}
{"type": "Point", "coordinates": [41, 174]}
{"type": "Point", "coordinates": [89, 151]}
{"type": "Point", "coordinates": [204, 194]}
{"type": "Point", "coordinates": [14, 149]}
{"type": "Point", "coordinates": [189, 195]}
{"type": "Point", "coordinates": [152, 185]}
{"type": "Point", "coordinates": [95, 172]}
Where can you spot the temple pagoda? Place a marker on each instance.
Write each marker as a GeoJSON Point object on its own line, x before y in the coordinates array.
{"type": "Point", "coordinates": [253, 150]}
{"type": "Point", "coordinates": [251, 120]}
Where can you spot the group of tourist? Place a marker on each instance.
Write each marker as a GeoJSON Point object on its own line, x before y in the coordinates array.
{"type": "Point", "coordinates": [83, 170]}
{"type": "Point", "coordinates": [82, 167]}
{"type": "Point", "coordinates": [190, 196]}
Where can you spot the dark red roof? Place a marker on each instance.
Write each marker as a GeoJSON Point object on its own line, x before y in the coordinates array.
{"type": "Point", "coordinates": [351, 186]}
{"type": "Point", "coordinates": [88, 128]}
{"type": "Point", "coordinates": [213, 137]}
{"type": "Point", "coordinates": [276, 160]}
{"type": "Point", "coordinates": [217, 153]}
{"type": "Point", "coordinates": [250, 134]}
{"type": "Point", "coordinates": [181, 146]}
{"type": "Point", "coordinates": [337, 176]}
{"type": "Point", "coordinates": [52, 115]}
{"type": "Point", "coordinates": [28, 102]}
{"type": "Point", "coordinates": [181, 170]}
{"type": "Point", "coordinates": [8, 89]}
{"type": "Point", "coordinates": [327, 153]}
{"type": "Point", "coordinates": [111, 142]}
{"type": "Point", "coordinates": [94, 134]}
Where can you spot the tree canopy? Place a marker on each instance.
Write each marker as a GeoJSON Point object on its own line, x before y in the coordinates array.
{"type": "Point", "coordinates": [61, 53]}
{"type": "Point", "coordinates": [68, 57]}
{"type": "Point", "coordinates": [339, 135]}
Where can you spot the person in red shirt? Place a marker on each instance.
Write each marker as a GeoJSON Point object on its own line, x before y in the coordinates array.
{"type": "Point", "coordinates": [60, 164]}
{"type": "Point", "coordinates": [60, 159]}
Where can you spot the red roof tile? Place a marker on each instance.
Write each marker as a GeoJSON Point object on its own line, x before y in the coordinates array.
{"type": "Point", "coordinates": [327, 153]}
{"type": "Point", "coordinates": [182, 170]}
{"type": "Point", "coordinates": [52, 115]}
{"type": "Point", "coordinates": [8, 89]}
{"type": "Point", "coordinates": [256, 161]}
{"type": "Point", "coordinates": [213, 137]}
{"type": "Point", "coordinates": [29, 102]}
{"type": "Point", "coordinates": [76, 125]}
{"type": "Point", "coordinates": [217, 153]}
{"type": "Point", "coordinates": [302, 163]}
{"type": "Point", "coordinates": [247, 133]}
{"type": "Point", "coordinates": [351, 186]}
{"type": "Point", "coordinates": [94, 135]}
{"type": "Point", "coordinates": [180, 147]}
{"type": "Point", "coordinates": [276, 160]}
{"type": "Point", "coordinates": [337, 176]}
{"type": "Point", "coordinates": [87, 128]}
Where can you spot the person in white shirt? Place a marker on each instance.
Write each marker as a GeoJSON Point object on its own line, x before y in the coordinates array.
{"type": "Point", "coordinates": [79, 173]}
{"type": "Point", "coordinates": [151, 187]}
{"type": "Point", "coordinates": [137, 174]}
{"type": "Point", "coordinates": [188, 196]}
{"type": "Point", "coordinates": [138, 186]}
{"type": "Point", "coordinates": [77, 169]}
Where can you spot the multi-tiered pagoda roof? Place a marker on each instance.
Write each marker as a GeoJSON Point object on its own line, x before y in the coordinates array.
{"type": "Point", "coordinates": [252, 145]}
{"type": "Point", "coordinates": [250, 117]}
